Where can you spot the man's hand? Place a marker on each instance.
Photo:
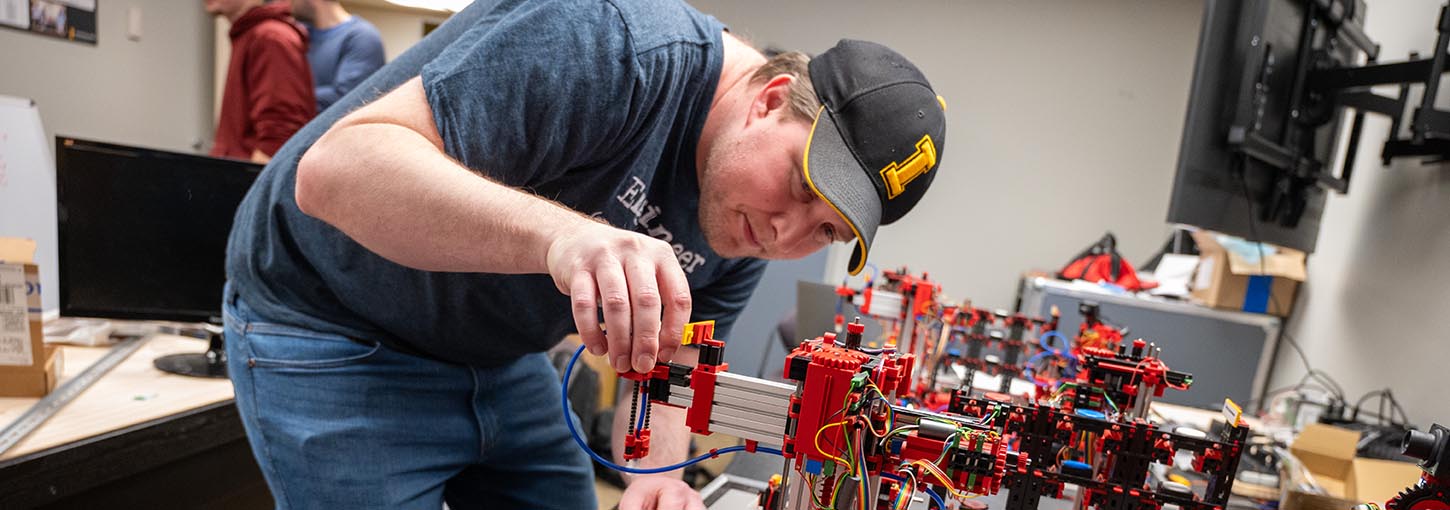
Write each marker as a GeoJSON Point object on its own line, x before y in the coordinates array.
{"type": "Point", "coordinates": [660, 493]}
{"type": "Point", "coordinates": [635, 278]}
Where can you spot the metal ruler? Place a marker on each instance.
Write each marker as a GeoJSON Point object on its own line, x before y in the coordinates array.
{"type": "Point", "coordinates": [48, 406]}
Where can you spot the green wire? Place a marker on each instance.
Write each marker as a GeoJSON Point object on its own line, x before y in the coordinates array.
{"type": "Point", "coordinates": [1104, 393]}
{"type": "Point", "coordinates": [952, 442]}
{"type": "Point", "coordinates": [835, 493]}
{"type": "Point", "coordinates": [845, 409]}
{"type": "Point", "coordinates": [1107, 398]}
{"type": "Point", "coordinates": [888, 435]}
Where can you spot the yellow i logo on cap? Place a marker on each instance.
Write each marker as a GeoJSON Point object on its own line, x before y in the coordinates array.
{"type": "Point", "coordinates": [898, 175]}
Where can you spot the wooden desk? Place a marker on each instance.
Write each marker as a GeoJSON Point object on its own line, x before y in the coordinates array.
{"type": "Point", "coordinates": [138, 437]}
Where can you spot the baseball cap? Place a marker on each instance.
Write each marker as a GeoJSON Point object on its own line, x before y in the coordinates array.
{"type": "Point", "coordinates": [876, 139]}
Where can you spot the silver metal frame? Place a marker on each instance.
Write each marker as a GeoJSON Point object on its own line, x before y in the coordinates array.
{"type": "Point", "coordinates": [725, 483]}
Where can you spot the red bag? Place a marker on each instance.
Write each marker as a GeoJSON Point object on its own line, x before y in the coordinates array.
{"type": "Point", "coordinates": [1102, 262]}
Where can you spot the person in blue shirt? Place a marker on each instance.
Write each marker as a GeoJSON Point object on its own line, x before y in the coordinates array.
{"type": "Point", "coordinates": [400, 266]}
{"type": "Point", "coordinates": [343, 49]}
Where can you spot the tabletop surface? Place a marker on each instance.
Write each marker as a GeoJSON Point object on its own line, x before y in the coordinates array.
{"type": "Point", "coordinates": [131, 393]}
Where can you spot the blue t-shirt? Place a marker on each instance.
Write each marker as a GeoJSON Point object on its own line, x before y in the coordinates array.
{"type": "Point", "coordinates": [341, 57]}
{"type": "Point", "coordinates": [595, 104]}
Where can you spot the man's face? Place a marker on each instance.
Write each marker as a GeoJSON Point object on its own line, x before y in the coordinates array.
{"type": "Point", "coordinates": [226, 8]}
{"type": "Point", "coordinates": [754, 199]}
{"type": "Point", "coordinates": [302, 10]}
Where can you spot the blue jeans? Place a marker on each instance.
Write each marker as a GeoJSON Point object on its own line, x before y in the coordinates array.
{"type": "Point", "coordinates": [341, 423]}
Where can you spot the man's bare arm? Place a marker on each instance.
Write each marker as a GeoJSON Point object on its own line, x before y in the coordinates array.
{"type": "Point", "coordinates": [380, 174]}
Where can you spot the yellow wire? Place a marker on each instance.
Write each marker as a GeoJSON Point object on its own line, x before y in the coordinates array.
{"type": "Point", "coordinates": [836, 492]}
{"type": "Point", "coordinates": [895, 432]}
{"type": "Point", "coordinates": [850, 467]}
{"type": "Point", "coordinates": [890, 415]}
{"type": "Point", "coordinates": [811, 484]}
{"type": "Point", "coordinates": [838, 460]}
{"type": "Point", "coordinates": [943, 478]}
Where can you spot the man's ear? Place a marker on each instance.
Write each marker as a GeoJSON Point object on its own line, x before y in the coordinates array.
{"type": "Point", "coordinates": [773, 97]}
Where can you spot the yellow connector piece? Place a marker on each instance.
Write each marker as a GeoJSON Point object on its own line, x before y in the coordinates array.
{"type": "Point", "coordinates": [1232, 413]}
{"type": "Point", "coordinates": [687, 337]}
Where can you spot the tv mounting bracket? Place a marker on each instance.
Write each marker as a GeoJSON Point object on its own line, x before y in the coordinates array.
{"type": "Point", "coordinates": [1321, 87]}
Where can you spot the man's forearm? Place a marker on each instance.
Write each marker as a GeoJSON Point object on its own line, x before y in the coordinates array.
{"type": "Point", "coordinates": [393, 190]}
{"type": "Point", "coordinates": [669, 439]}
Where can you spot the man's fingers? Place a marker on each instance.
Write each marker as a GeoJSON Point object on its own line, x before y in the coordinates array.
{"type": "Point", "coordinates": [585, 307]}
{"type": "Point", "coordinates": [649, 493]}
{"type": "Point", "coordinates": [644, 295]}
{"type": "Point", "coordinates": [678, 496]}
{"type": "Point", "coordinates": [614, 298]}
{"type": "Point", "coordinates": [635, 500]}
{"type": "Point", "coordinates": [670, 499]}
{"type": "Point", "coordinates": [675, 290]}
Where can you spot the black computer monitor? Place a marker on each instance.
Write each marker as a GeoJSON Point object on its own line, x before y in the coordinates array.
{"type": "Point", "coordinates": [143, 232]}
{"type": "Point", "coordinates": [1257, 154]}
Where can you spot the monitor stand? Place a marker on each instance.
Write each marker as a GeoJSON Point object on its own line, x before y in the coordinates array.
{"type": "Point", "coordinates": [212, 363]}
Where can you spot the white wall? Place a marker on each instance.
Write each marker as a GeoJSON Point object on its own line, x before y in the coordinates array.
{"type": "Point", "coordinates": [400, 29]}
{"type": "Point", "coordinates": [1063, 122]}
{"type": "Point", "coordinates": [154, 92]}
{"type": "Point", "coordinates": [1374, 311]}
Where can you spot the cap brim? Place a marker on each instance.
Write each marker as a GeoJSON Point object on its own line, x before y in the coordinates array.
{"type": "Point", "coordinates": [838, 178]}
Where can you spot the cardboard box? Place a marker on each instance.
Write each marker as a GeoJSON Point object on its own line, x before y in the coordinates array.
{"type": "Point", "coordinates": [1226, 280]}
{"type": "Point", "coordinates": [1328, 453]}
{"type": "Point", "coordinates": [28, 367]}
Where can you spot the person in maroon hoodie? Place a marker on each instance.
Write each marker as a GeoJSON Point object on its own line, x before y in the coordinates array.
{"type": "Point", "coordinates": [268, 94]}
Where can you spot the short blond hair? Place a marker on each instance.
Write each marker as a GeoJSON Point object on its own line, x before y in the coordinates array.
{"type": "Point", "coordinates": [803, 100]}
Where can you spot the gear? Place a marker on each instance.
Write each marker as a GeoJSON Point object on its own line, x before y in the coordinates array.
{"type": "Point", "coordinates": [1423, 496]}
